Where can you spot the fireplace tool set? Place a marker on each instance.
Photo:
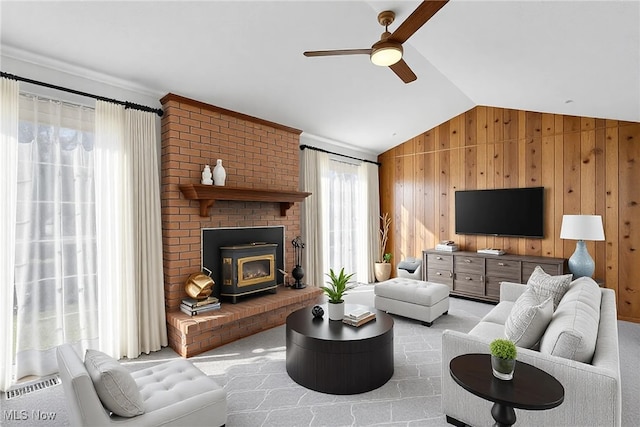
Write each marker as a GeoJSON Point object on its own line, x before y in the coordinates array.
{"type": "Point", "coordinates": [298, 271]}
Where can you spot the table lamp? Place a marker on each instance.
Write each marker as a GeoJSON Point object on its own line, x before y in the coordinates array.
{"type": "Point", "coordinates": [581, 228]}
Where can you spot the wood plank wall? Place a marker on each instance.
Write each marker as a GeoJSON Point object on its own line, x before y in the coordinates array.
{"type": "Point", "coordinates": [587, 166]}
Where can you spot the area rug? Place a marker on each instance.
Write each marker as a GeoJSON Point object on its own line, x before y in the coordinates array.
{"type": "Point", "coordinates": [260, 393]}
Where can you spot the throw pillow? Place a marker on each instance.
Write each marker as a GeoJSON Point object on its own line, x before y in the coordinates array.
{"type": "Point", "coordinates": [546, 285]}
{"type": "Point", "coordinates": [115, 386]}
{"type": "Point", "coordinates": [528, 319]}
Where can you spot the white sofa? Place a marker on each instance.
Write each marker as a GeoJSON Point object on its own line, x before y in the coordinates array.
{"type": "Point", "coordinates": [173, 393]}
{"type": "Point", "coordinates": [592, 390]}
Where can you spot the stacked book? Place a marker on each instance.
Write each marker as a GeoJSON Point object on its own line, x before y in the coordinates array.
{"type": "Point", "coordinates": [193, 307]}
{"type": "Point", "coordinates": [447, 246]}
{"type": "Point", "coordinates": [358, 317]}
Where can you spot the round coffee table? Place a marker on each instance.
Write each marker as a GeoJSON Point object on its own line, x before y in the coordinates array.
{"type": "Point", "coordinates": [531, 388]}
{"type": "Point", "coordinates": [332, 357]}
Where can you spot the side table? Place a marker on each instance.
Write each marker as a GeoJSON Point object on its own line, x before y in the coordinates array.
{"type": "Point", "coordinates": [531, 388]}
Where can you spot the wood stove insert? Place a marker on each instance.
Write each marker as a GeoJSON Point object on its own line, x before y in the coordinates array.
{"type": "Point", "coordinates": [247, 269]}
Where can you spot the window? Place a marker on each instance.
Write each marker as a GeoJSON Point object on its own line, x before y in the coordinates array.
{"type": "Point", "coordinates": [55, 273]}
{"type": "Point", "coordinates": [344, 215]}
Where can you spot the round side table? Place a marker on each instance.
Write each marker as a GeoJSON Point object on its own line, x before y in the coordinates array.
{"type": "Point", "coordinates": [531, 388]}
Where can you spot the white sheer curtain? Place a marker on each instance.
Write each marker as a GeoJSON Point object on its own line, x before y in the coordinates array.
{"type": "Point", "coordinates": [8, 194]}
{"type": "Point", "coordinates": [130, 278]}
{"type": "Point", "coordinates": [313, 163]}
{"type": "Point", "coordinates": [341, 218]}
{"type": "Point", "coordinates": [80, 231]}
{"type": "Point", "coordinates": [55, 271]}
{"type": "Point", "coordinates": [344, 217]}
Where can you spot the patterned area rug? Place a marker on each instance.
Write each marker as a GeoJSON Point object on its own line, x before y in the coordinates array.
{"type": "Point", "coordinates": [260, 393]}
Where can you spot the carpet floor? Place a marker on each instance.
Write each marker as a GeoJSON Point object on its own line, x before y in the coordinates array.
{"type": "Point", "coordinates": [260, 393]}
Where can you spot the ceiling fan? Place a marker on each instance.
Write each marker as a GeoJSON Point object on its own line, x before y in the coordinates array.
{"type": "Point", "coordinates": [388, 50]}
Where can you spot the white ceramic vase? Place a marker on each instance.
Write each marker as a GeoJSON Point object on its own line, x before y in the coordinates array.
{"type": "Point", "coordinates": [336, 310]}
{"type": "Point", "coordinates": [219, 174]}
{"type": "Point", "coordinates": [206, 176]}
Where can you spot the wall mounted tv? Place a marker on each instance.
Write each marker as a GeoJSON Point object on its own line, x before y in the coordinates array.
{"type": "Point", "coordinates": [509, 212]}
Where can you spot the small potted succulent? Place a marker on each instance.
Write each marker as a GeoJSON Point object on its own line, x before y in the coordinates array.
{"type": "Point", "coordinates": [503, 358]}
{"type": "Point", "coordinates": [338, 287]}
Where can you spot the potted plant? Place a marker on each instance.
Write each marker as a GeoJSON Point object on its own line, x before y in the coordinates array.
{"type": "Point", "coordinates": [503, 358]}
{"type": "Point", "coordinates": [382, 267]}
{"type": "Point", "coordinates": [338, 287]}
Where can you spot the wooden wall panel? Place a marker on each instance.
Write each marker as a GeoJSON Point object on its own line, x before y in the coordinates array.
{"type": "Point", "coordinates": [481, 159]}
{"type": "Point", "coordinates": [600, 169]}
{"type": "Point", "coordinates": [629, 223]}
{"type": "Point", "coordinates": [547, 180]}
{"type": "Point", "coordinates": [558, 175]}
{"type": "Point", "coordinates": [586, 165]}
{"type": "Point", "coordinates": [611, 219]}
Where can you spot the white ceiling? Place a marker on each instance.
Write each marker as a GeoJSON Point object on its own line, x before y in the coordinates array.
{"type": "Point", "coordinates": [567, 57]}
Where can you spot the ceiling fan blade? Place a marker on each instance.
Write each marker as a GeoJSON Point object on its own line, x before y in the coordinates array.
{"type": "Point", "coordinates": [417, 19]}
{"type": "Point", "coordinates": [337, 52]}
{"type": "Point", "coordinates": [403, 71]}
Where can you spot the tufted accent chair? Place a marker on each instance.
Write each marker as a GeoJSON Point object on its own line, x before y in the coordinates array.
{"type": "Point", "coordinates": [174, 393]}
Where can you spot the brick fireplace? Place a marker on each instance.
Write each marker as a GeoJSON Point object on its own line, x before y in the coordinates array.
{"type": "Point", "coordinates": [256, 154]}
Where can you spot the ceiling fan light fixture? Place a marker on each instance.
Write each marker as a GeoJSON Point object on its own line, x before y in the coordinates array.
{"type": "Point", "coordinates": [386, 53]}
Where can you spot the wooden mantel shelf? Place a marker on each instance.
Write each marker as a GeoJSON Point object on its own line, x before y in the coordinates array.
{"type": "Point", "coordinates": [208, 194]}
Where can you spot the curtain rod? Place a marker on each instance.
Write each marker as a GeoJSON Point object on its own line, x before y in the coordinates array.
{"type": "Point", "coordinates": [126, 104]}
{"type": "Point", "coordinates": [302, 147]}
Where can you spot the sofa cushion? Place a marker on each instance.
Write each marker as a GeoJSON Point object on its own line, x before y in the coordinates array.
{"type": "Point", "coordinates": [546, 285]}
{"type": "Point", "coordinates": [573, 330]}
{"type": "Point", "coordinates": [176, 381]}
{"type": "Point", "coordinates": [528, 319]}
{"type": "Point", "coordinates": [488, 330]}
{"type": "Point", "coordinates": [499, 313]}
{"type": "Point", "coordinates": [115, 386]}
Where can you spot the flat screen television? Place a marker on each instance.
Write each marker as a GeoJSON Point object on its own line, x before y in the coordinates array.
{"type": "Point", "coordinates": [509, 212]}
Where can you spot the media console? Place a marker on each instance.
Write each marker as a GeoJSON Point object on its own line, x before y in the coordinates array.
{"type": "Point", "coordinates": [478, 275]}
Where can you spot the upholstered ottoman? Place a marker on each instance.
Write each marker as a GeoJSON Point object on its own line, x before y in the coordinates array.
{"type": "Point", "coordinates": [415, 299]}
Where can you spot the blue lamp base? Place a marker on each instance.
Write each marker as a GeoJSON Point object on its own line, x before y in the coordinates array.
{"type": "Point", "coordinates": [581, 264]}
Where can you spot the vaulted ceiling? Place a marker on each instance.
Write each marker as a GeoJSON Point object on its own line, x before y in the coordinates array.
{"type": "Point", "coordinates": [568, 57]}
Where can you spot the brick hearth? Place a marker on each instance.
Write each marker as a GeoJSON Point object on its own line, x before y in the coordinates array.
{"type": "Point", "coordinates": [191, 335]}
{"type": "Point", "coordinates": [256, 154]}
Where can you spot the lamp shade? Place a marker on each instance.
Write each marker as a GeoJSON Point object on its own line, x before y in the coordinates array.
{"type": "Point", "coordinates": [582, 227]}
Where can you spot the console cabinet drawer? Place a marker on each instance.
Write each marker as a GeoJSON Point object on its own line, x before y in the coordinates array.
{"type": "Point", "coordinates": [468, 283]}
{"type": "Point", "coordinates": [492, 286]}
{"type": "Point", "coordinates": [528, 267]}
{"type": "Point", "coordinates": [440, 276]}
{"type": "Point", "coordinates": [507, 269]}
{"type": "Point", "coordinates": [440, 261]}
{"type": "Point", "coordinates": [469, 264]}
